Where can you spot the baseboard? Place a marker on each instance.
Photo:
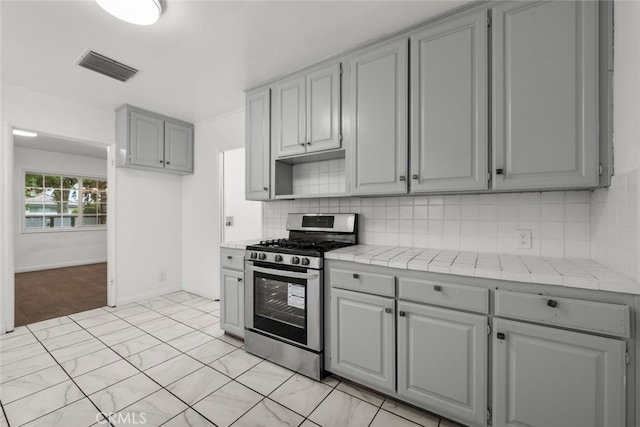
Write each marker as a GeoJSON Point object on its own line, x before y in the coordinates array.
{"type": "Point", "coordinates": [59, 265]}
{"type": "Point", "coordinates": [146, 295]}
{"type": "Point", "coordinates": [199, 292]}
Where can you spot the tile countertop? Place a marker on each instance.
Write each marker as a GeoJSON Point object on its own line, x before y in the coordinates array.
{"type": "Point", "coordinates": [242, 244]}
{"type": "Point", "coordinates": [576, 273]}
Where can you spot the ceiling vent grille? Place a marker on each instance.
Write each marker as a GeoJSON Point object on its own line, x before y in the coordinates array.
{"type": "Point", "coordinates": [107, 66]}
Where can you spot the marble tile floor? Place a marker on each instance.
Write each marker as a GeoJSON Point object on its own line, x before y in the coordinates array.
{"type": "Point", "coordinates": [165, 361]}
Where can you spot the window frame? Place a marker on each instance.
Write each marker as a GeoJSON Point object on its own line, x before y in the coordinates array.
{"type": "Point", "coordinates": [78, 228]}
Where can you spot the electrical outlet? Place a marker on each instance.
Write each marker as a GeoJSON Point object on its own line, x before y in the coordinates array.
{"type": "Point", "coordinates": [163, 275]}
{"type": "Point", "coordinates": [523, 239]}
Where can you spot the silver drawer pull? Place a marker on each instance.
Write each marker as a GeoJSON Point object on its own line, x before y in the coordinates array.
{"type": "Point", "coordinates": [229, 257]}
{"type": "Point", "coordinates": [239, 279]}
{"type": "Point", "coordinates": [387, 310]}
{"type": "Point", "coordinates": [402, 314]}
{"type": "Point", "coordinates": [437, 288]}
{"type": "Point", "coordinates": [356, 276]}
{"type": "Point", "coordinates": [552, 303]}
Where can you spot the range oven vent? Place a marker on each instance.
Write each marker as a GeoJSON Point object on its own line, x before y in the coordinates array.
{"type": "Point", "coordinates": [106, 66]}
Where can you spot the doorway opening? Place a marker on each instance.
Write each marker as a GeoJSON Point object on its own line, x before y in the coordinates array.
{"type": "Point", "coordinates": [241, 219]}
{"type": "Point", "coordinates": [60, 200]}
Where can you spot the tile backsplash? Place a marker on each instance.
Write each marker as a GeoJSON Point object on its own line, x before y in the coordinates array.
{"type": "Point", "coordinates": [560, 222]}
{"type": "Point", "coordinates": [322, 177]}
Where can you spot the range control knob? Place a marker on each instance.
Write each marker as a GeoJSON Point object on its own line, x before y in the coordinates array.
{"type": "Point", "coordinates": [253, 255]}
{"type": "Point", "coordinates": [262, 256]}
{"type": "Point", "coordinates": [278, 258]}
{"type": "Point", "coordinates": [295, 260]}
{"type": "Point", "coordinates": [305, 261]}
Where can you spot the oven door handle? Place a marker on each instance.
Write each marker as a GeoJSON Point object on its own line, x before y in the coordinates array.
{"type": "Point", "coordinates": [286, 273]}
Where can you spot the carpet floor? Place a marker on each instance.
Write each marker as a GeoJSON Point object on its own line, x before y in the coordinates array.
{"type": "Point", "coordinates": [46, 294]}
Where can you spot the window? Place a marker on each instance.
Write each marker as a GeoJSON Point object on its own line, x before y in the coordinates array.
{"type": "Point", "coordinates": [63, 202]}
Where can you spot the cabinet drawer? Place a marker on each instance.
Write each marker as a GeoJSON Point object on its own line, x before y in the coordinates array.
{"type": "Point", "coordinates": [444, 294]}
{"type": "Point", "coordinates": [232, 259]}
{"type": "Point", "coordinates": [379, 284]}
{"type": "Point", "coordinates": [600, 317]}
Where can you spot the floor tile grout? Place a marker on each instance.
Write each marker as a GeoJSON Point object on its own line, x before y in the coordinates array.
{"type": "Point", "coordinates": [103, 311]}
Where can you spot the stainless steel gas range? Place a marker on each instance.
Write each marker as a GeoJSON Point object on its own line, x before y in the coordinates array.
{"type": "Point", "coordinates": [284, 290]}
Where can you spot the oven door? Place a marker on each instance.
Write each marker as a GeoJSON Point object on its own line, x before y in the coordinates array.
{"type": "Point", "coordinates": [284, 303]}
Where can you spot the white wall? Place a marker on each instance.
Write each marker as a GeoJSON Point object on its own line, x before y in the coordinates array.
{"type": "Point", "coordinates": [148, 234]}
{"type": "Point", "coordinates": [246, 214]}
{"type": "Point", "coordinates": [42, 250]}
{"type": "Point", "coordinates": [615, 219]}
{"type": "Point", "coordinates": [147, 213]}
{"type": "Point", "coordinates": [201, 204]}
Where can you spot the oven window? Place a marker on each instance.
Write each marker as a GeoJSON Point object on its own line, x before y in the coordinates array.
{"type": "Point", "coordinates": [280, 306]}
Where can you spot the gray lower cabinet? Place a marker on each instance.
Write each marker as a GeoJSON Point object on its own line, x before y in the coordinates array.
{"type": "Point", "coordinates": [379, 119]}
{"type": "Point", "coordinates": [363, 338]}
{"type": "Point", "coordinates": [232, 291]}
{"type": "Point", "coordinates": [449, 105]}
{"type": "Point", "coordinates": [545, 95]}
{"type": "Point", "coordinates": [442, 360]}
{"type": "Point", "coordinates": [257, 144]}
{"type": "Point", "coordinates": [153, 142]}
{"type": "Point", "coordinates": [544, 376]}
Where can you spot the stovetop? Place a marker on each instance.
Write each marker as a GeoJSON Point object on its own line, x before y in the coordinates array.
{"type": "Point", "coordinates": [302, 245]}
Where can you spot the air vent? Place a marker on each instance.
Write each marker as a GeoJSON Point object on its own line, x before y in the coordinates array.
{"type": "Point", "coordinates": [107, 66]}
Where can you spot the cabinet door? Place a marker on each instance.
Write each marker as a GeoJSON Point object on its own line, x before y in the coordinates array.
{"type": "Point", "coordinates": [257, 134]}
{"type": "Point", "coordinates": [379, 121]}
{"type": "Point", "coordinates": [449, 150]}
{"type": "Point", "coordinates": [290, 117]}
{"type": "Point", "coordinates": [545, 82]}
{"type": "Point", "coordinates": [232, 302]}
{"type": "Point", "coordinates": [178, 147]}
{"type": "Point", "coordinates": [551, 377]}
{"type": "Point", "coordinates": [442, 360]}
{"type": "Point", "coordinates": [362, 338]}
{"type": "Point", "coordinates": [147, 140]}
{"type": "Point", "coordinates": [323, 108]}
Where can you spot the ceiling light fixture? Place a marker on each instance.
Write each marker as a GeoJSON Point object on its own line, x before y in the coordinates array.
{"type": "Point", "coordinates": [139, 12]}
{"type": "Point", "coordinates": [24, 133]}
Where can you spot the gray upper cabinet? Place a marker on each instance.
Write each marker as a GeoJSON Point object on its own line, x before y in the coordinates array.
{"type": "Point", "coordinates": [178, 147]}
{"type": "Point", "coordinates": [307, 112]}
{"type": "Point", "coordinates": [545, 95]}
{"type": "Point", "coordinates": [442, 360]}
{"type": "Point", "coordinates": [153, 142]}
{"type": "Point", "coordinates": [257, 142]}
{"type": "Point", "coordinates": [147, 140]}
{"type": "Point", "coordinates": [379, 120]}
{"type": "Point", "coordinates": [449, 150]}
{"type": "Point", "coordinates": [551, 377]}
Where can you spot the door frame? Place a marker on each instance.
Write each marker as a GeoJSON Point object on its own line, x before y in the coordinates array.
{"type": "Point", "coordinates": [7, 222]}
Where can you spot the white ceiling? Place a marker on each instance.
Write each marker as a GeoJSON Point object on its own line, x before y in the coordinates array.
{"type": "Point", "coordinates": [61, 145]}
{"type": "Point", "coordinates": [198, 58]}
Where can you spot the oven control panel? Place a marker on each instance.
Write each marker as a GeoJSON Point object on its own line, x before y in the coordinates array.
{"type": "Point", "coordinates": [285, 259]}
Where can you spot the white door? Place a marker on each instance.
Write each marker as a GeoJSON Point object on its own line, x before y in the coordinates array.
{"type": "Point", "coordinates": [242, 219]}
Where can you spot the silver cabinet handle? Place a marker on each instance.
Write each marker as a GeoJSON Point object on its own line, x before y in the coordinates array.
{"type": "Point", "coordinates": [355, 275]}
{"type": "Point", "coordinates": [293, 274]}
{"type": "Point", "coordinates": [402, 314]}
{"type": "Point", "coordinates": [414, 176]}
{"type": "Point", "coordinates": [168, 163]}
{"type": "Point", "coordinates": [265, 188]}
{"type": "Point", "coordinates": [308, 142]}
{"type": "Point", "coordinates": [402, 178]}
{"type": "Point", "coordinates": [437, 288]}
{"type": "Point", "coordinates": [387, 310]}
{"type": "Point", "coordinates": [239, 279]}
{"type": "Point", "coordinates": [229, 257]}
